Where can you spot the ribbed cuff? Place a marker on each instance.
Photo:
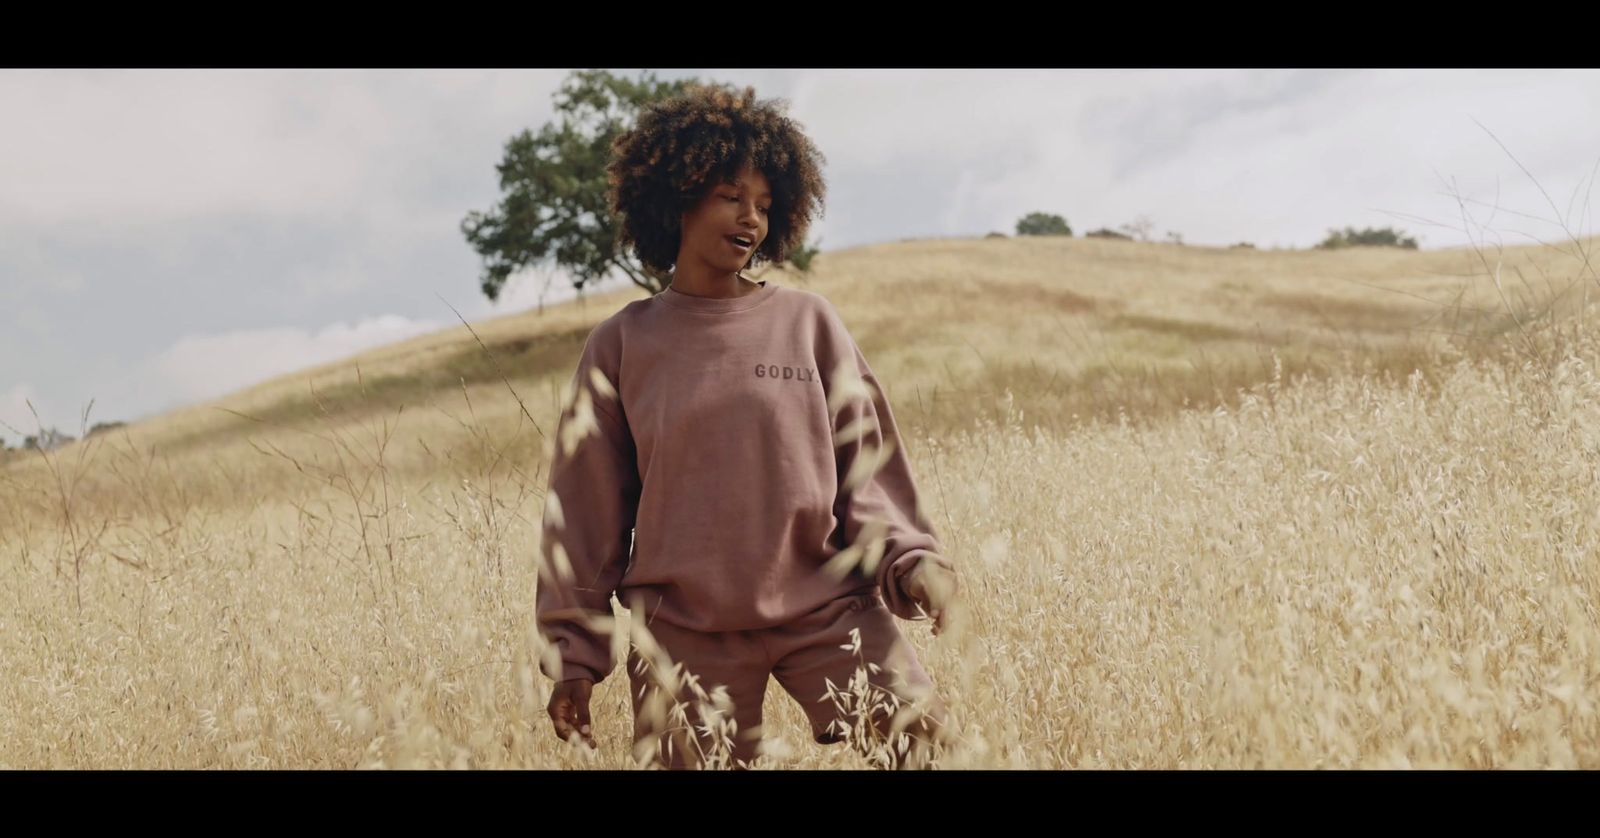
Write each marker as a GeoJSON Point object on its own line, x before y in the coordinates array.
{"type": "Point", "coordinates": [895, 597]}
{"type": "Point", "coordinates": [571, 671]}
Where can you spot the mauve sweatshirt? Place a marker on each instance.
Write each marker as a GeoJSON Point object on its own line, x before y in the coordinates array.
{"type": "Point", "coordinates": [715, 455]}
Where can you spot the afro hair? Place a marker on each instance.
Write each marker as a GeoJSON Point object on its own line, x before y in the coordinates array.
{"type": "Point", "coordinates": [681, 147]}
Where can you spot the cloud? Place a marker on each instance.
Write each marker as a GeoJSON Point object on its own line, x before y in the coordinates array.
{"type": "Point", "coordinates": [31, 266]}
{"type": "Point", "coordinates": [1278, 157]}
{"type": "Point", "coordinates": [1219, 155]}
{"type": "Point", "coordinates": [17, 420]}
{"type": "Point", "coordinates": [200, 367]}
{"type": "Point", "coordinates": [105, 146]}
{"type": "Point", "coordinates": [545, 284]}
{"type": "Point", "coordinates": [144, 204]}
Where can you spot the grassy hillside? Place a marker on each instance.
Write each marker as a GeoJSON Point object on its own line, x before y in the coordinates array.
{"type": "Point", "coordinates": [1178, 550]}
{"type": "Point", "coordinates": [1079, 328]}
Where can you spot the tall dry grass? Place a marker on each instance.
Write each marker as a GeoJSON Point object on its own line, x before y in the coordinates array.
{"type": "Point", "coordinates": [1382, 557]}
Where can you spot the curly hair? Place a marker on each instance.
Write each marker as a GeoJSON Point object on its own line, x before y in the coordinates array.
{"type": "Point", "coordinates": [682, 146]}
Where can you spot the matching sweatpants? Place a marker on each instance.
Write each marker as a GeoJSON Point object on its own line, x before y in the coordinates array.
{"type": "Point", "coordinates": [805, 656]}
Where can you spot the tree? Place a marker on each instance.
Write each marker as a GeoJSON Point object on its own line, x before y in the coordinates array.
{"type": "Point", "coordinates": [102, 427]}
{"type": "Point", "coordinates": [801, 258]}
{"type": "Point", "coordinates": [1139, 228]}
{"type": "Point", "coordinates": [1106, 233]}
{"type": "Point", "coordinates": [48, 439]}
{"type": "Point", "coordinates": [554, 207]}
{"type": "Point", "coordinates": [1369, 237]}
{"type": "Point", "coordinates": [1043, 224]}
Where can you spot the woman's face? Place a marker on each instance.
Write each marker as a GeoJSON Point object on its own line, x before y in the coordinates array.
{"type": "Point", "coordinates": [727, 212]}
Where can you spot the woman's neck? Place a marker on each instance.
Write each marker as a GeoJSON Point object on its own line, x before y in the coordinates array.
{"type": "Point", "coordinates": [725, 286]}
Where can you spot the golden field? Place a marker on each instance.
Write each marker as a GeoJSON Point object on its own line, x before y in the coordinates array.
{"type": "Point", "coordinates": [1213, 508]}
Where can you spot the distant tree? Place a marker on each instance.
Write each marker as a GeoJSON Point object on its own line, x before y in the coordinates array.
{"type": "Point", "coordinates": [1107, 233]}
{"type": "Point", "coordinates": [1175, 238]}
{"type": "Point", "coordinates": [996, 235]}
{"type": "Point", "coordinates": [1247, 245]}
{"type": "Point", "coordinates": [47, 440]}
{"type": "Point", "coordinates": [100, 427]}
{"type": "Point", "coordinates": [1139, 228]}
{"type": "Point", "coordinates": [1369, 237]}
{"type": "Point", "coordinates": [1043, 224]}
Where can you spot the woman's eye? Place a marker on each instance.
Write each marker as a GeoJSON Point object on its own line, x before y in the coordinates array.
{"type": "Point", "coordinates": [764, 210]}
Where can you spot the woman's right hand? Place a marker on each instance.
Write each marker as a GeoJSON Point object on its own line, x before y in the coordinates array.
{"type": "Point", "coordinates": [569, 710]}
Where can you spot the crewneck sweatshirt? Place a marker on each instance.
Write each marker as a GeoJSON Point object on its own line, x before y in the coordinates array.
{"type": "Point", "coordinates": [715, 455]}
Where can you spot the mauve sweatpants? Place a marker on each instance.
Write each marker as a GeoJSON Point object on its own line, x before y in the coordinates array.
{"type": "Point", "coordinates": [804, 656]}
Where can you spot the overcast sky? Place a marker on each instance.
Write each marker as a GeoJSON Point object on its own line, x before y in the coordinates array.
{"type": "Point", "coordinates": [169, 236]}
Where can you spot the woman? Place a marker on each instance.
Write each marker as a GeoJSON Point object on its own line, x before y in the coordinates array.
{"type": "Point", "coordinates": [735, 431]}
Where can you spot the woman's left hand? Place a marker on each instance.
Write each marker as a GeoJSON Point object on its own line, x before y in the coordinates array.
{"type": "Point", "coordinates": [933, 586]}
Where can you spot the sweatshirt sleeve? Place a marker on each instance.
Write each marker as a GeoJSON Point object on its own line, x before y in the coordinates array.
{"type": "Point", "coordinates": [591, 501]}
{"type": "Point", "coordinates": [877, 495]}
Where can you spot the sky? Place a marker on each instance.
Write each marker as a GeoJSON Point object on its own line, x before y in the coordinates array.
{"type": "Point", "coordinates": [169, 236]}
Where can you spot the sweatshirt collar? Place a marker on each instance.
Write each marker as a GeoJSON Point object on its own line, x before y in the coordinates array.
{"type": "Point", "coordinates": [718, 305]}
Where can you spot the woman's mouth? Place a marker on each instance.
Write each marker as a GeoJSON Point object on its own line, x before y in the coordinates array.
{"type": "Point", "coordinates": [741, 244]}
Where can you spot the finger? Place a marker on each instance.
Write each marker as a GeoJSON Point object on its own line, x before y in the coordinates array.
{"type": "Point", "coordinates": [561, 717]}
{"type": "Point", "coordinates": [584, 726]}
{"type": "Point", "coordinates": [564, 729]}
{"type": "Point", "coordinates": [568, 733]}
